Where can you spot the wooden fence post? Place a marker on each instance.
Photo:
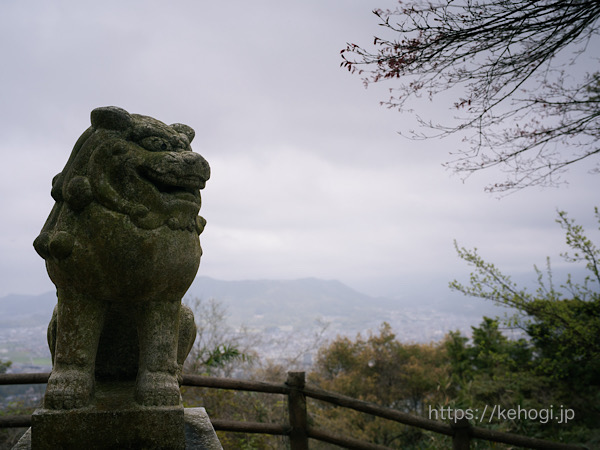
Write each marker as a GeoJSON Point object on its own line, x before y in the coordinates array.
{"type": "Point", "coordinates": [461, 440]}
{"type": "Point", "coordinates": [297, 411]}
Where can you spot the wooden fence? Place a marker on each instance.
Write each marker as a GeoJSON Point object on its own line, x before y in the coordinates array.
{"type": "Point", "coordinates": [299, 431]}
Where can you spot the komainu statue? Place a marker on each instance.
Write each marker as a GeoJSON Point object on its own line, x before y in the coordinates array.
{"type": "Point", "coordinates": [121, 245]}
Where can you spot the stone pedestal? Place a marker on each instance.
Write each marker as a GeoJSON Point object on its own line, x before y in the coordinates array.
{"type": "Point", "coordinates": [114, 420]}
{"type": "Point", "coordinates": [123, 426]}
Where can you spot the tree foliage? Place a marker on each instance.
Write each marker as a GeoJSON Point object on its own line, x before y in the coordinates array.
{"type": "Point", "coordinates": [218, 350]}
{"type": "Point", "coordinates": [562, 321]}
{"type": "Point", "coordinates": [382, 370]}
{"type": "Point", "coordinates": [486, 370]}
{"type": "Point", "coordinates": [491, 370]}
{"type": "Point", "coordinates": [4, 365]}
{"type": "Point", "coordinates": [522, 103]}
{"type": "Point", "coordinates": [221, 351]}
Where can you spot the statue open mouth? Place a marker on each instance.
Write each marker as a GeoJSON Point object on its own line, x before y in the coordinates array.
{"type": "Point", "coordinates": [185, 188]}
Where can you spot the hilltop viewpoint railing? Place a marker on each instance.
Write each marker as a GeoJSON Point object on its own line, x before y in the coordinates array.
{"type": "Point", "coordinates": [298, 429]}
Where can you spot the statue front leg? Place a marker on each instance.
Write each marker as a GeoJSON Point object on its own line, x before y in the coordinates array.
{"type": "Point", "coordinates": [158, 332]}
{"type": "Point", "coordinates": [79, 321]}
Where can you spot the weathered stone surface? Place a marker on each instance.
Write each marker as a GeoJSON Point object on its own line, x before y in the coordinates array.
{"type": "Point", "coordinates": [121, 245]}
{"type": "Point", "coordinates": [199, 432]}
{"type": "Point", "coordinates": [24, 442]}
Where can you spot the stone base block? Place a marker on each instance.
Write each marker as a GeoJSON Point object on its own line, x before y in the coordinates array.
{"type": "Point", "coordinates": [199, 432]}
{"type": "Point", "coordinates": [114, 421]}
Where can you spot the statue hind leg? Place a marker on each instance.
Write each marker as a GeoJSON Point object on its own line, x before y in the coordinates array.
{"type": "Point", "coordinates": [51, 334]}
{"type": "Point", "coordinates": [187, 336]}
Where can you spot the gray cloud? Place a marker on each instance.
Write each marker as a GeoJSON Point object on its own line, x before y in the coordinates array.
{"type": "Point", "coordinates": [310, 177]}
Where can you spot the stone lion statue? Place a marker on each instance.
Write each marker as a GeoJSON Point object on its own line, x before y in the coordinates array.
{"type": "Point", "coordinates": [121, 245]}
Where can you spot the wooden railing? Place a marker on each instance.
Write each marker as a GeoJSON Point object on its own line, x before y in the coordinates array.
{"type": "Point", "coordinates": [298, 430]}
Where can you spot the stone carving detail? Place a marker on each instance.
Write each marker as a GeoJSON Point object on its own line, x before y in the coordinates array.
{"type": "Point", "coordinates": [121, 245]}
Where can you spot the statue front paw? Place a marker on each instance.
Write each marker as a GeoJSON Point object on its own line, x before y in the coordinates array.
{"type": "Point", "coordinates": [157, 389]}
{"type": "Point", "coordinates": [69, 389]}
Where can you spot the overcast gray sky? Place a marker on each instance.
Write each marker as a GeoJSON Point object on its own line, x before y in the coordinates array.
{"type": "Point", "coordinates": [309, 175]}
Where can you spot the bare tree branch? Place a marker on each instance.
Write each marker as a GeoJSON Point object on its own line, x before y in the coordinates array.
{"type": "Point", "coordinates": [525, 108]}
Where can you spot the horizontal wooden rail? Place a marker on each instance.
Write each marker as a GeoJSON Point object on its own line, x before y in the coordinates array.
{"type": "Point", "coordinates": [250, 427]}
{"type": "Point", "coordinates": [345, 442]}
{"type": "Point", "coordinates": [22, 421]}
{"type": "Point", "coordinates": [237, 385]}
{"type": "Point", "coordinates": [314, 433]}
{"type": "Point", "coordinates": [24, 378]}
{"type": "Point", "coordinates": [379, 411]}
{"type": "Point", "coordinates": [520, 441]}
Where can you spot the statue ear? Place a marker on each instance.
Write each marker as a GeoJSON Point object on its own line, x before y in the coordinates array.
{"type": "Point", "coordinates": [111, 118]}
{"type": "Point", "coordinates": [181, 128]}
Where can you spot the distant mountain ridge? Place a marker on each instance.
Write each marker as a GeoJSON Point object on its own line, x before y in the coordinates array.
{"type": "Point", "coordinates": [329, 297]}
{"type": "Point", "coordinates": [288, 302]}
{"type": "Point", "coordinates": [257, 304]}
{"type": "Point", "coordinates": [298, 304]}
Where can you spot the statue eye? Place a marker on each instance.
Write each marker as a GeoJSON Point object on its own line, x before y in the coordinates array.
{"type": "Point", "coordinates": [155, 144]}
